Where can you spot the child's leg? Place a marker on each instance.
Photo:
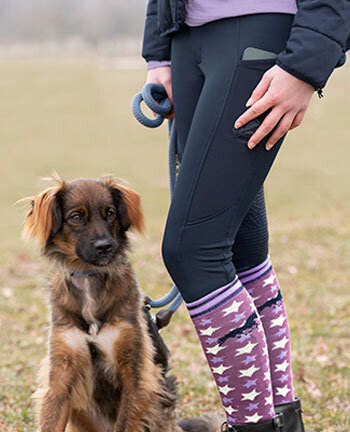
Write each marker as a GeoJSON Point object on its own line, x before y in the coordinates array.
{"type": "Point", "coordinates": [233, 340]}
{"type": "Point", "coordinates": [254, 269]}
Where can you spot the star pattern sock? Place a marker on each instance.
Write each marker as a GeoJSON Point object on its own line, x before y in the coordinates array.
{"type": "Point", "coordinates": [262, 284]}
{"type": "Point", "coordinates": [233, 339]}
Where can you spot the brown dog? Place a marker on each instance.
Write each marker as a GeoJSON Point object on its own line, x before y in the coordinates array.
{"type": "Point", "coordinates": [107, 366]}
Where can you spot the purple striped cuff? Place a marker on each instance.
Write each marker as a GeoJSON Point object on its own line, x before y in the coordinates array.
{"type": "Point", "coordinates": [214, 299]}
{"type": "Point", "coordinates": [254, 269]}
{"type": "Point", "coordinates": [257, 272]}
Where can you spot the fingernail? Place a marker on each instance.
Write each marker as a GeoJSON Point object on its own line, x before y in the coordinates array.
{"type": "Point", "coordinates": [249, 102]}
{"type": "Point", "coordinates": [268, 146]}
{"type": "Point", "coordinates": [238, 125]}
{"type": "Point", "coordinates": [251, 145]}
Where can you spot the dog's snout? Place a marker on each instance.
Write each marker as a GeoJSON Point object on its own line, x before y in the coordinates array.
{"type": "Point", "coordinates": [103, 246]}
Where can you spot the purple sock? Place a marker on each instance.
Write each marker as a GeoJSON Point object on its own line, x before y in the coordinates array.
{"type": "Point", "coordinates": [233, 339]}
{"type": "Point", "coordinates": [262, 284]}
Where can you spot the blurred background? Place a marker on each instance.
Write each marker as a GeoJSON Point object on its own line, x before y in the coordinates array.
{"type": "Point", "coordinates": [68, 71]}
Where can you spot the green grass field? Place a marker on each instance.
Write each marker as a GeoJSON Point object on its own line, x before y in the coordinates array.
{"type": "Point", "coordinates": [75, 117]}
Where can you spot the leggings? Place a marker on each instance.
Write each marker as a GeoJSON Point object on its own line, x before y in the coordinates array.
{"type": "Point", "coordinates": [216, 224]}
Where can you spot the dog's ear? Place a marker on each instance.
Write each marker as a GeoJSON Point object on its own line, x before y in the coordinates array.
{"type": "Point", "coordinates": [130, 209]}
{"type": "Point", "coordinates": [128, 204]}
{"type": "Point", "coordinates": [44, 218]}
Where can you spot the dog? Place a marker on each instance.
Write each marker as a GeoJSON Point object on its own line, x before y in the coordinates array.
{"type": "Point", "coordinates": [106, 369]}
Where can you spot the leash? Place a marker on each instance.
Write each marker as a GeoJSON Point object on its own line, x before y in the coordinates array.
{"type": "Point", "coordinates": [156, 98]}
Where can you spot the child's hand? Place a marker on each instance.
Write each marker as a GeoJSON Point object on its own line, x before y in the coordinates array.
{"type": "Point", "coordinates": [162, 75]}
{"type": "Point", "coordinates": [287, 96]}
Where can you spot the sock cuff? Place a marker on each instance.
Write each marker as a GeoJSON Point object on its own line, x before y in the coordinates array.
{"type": "Point", "coordinates": [253, 269]}
{"type": "Point", "coordinates": [256, 272]}
{"type": "Point", "coordinates": [215, 299]}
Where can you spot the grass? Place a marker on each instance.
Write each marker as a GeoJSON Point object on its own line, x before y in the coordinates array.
{"type": "Point", "coordinates": [75, 117]}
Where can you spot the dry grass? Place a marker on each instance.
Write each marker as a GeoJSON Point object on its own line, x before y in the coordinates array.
{"type": "Point", "coordinates": [75, 117]}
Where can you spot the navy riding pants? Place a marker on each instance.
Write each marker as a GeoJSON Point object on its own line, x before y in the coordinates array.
{"type": "Point", "coordinates": [216, 225]}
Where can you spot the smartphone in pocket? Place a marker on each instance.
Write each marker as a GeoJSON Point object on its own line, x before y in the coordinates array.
{"type": "Point", "coordinates": [251, 53]}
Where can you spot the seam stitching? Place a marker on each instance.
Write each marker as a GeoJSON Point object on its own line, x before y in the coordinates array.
{"type": "Point", "coordinates": [186, 212]}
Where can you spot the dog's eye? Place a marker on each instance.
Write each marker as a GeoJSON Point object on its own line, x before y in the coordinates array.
{"type": "Point", "coordinates": [110, 213]}
{"type": "Point", "coordinates": [75, 217]}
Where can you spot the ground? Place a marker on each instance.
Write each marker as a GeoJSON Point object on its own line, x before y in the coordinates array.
{"type": "Point", "coordinates": [75, 117]}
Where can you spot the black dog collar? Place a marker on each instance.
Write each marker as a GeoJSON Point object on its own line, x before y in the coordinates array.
{"type": "Point", "coordinates": [83, 274]}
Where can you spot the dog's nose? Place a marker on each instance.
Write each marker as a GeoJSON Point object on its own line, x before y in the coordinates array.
{"type": "Point", "coordinates": [103, 246]}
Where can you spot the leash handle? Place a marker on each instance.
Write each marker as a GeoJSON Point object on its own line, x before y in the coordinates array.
{"type": "Point", "coordinates": [156, 98]}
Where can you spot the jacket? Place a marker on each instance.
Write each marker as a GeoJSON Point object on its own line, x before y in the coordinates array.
{"type": "Point", "coordinates": [319, 39]}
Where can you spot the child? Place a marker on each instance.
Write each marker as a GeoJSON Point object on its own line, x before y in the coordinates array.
{"type": "Point", "coordinates": [215, 244]}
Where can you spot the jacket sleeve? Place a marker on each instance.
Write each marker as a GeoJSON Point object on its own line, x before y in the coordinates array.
{"type": "Point", "coordinates": [154, 46]}
{"type": "Point", "coordinates": [318, 40]}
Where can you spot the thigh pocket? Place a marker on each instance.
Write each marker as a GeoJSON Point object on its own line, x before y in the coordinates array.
{"type": "Point", "coordinates": [250, 72]}
{"type": "Point", "coordinates": [228, 162]}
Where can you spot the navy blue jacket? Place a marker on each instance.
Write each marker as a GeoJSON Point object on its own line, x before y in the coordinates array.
{"type": "Point", "coordinates": [319, 37]}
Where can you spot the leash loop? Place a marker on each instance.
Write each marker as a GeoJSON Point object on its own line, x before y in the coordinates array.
{"type": "Point", "coordinates": [152, 93]}
{"type": "Point", "coordinates": [156, 98]}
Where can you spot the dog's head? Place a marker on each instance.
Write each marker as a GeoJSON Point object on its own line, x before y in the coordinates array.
{"type": "Point", "coordinates": [84, 221]}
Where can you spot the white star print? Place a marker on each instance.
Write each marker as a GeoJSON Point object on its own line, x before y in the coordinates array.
{"type": "Point", "coordinates": [253, 307]}
{"type": "Point", "coordinates": [282, 366]}
{"type": "Point", "coordinates": [215, 349]}
{"type": "Point", "coordinates": [278, 321]}
{"type": "Point", "coordinates": [246, 349]}
{"type": "Point", "coordinates": [265, 351]}
{"type": "Point", "coordinates": [233, 308]}
{"type": "Point", "coordinates": [250, 396]}
{"type": "Point", "coordinates": [273, 288]}
{"type": "Point", "coordinates": [270, 280]}
{"type": "Point", "coordinates": [248, 372]}
{"type": "Point", "coordinates": [226, 389]}
{"type": "Point", "coordinates": [280, 343]}
{"type": "Point", "coordinates": [230, 410]}
{"type": "Point", "coordinates": [219, 370]}
{"type": "Point", "coordinates": [209, 331]}
{"type": "Point", "coordinates": [283, 390]}
{"type": "Point", "coordinates": [267, 375]}
{"type": "Point", "coordinates": [269, 399]}
{"type": "Point", "coordinates": [253, 418]}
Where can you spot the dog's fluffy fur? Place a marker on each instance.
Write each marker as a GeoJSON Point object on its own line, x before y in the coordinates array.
{"type": "Point", "coordinates": [107, 366]}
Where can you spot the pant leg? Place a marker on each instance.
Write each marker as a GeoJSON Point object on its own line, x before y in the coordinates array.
{"type": "Point", "coordinates": [251, 244]}
{"type": "Point", "coordinates": [250, 247]}
{"type": "Point", "coordinates": [187, 80]}
{"type": "Point", "coordinates": [219, 176]}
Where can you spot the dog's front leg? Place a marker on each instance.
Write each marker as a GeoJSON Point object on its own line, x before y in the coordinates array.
{"type": "Point", "coordinates": [55, 410]}
{"type": "Point", "coordinates": [67, 368]}
{"type": "Point", "coordinates": [135, 370]}
{"type": "Point", "coordinates": [133, 406]}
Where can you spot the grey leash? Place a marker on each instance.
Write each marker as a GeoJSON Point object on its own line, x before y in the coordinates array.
{"type": "Point", "coordinates": [151, 93]}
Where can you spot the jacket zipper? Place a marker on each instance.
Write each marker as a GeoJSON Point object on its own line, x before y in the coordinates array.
{"type": "Point", "coordinates": [320, 93]}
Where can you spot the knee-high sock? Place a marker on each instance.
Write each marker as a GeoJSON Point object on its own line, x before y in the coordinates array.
{"type": "Point", "coordinates": [233, 339]}
{"type": "Point", "coordinates": [262, 284]}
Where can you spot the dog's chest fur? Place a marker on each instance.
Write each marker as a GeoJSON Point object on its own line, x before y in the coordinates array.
{"type": "Point", "coordinates": [88, 292]}
{"type": "Point", "coordinates": [98, 335]}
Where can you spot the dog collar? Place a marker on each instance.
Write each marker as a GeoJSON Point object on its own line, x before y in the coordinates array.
{"type": "Point", "coordinates": [83, 274]}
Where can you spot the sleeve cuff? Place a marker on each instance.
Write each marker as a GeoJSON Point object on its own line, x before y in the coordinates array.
{"type": "Point", "coordinates": [152, 64]}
